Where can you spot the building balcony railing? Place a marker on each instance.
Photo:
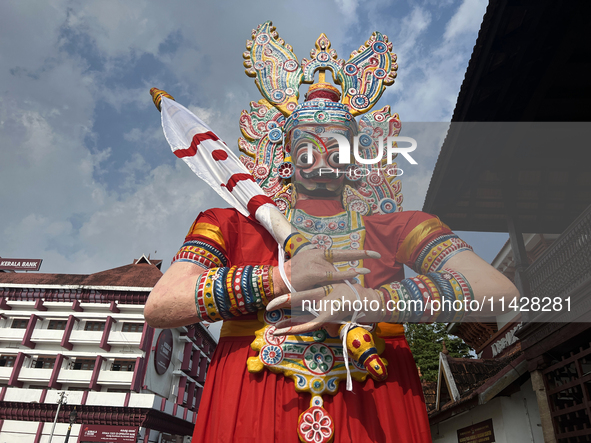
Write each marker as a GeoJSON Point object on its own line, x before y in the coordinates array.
{"type": "Point", "coordinates": [8, 334]}
{"type": "Point", "coordinates": [47, 335]}
{"type": "Point", "coordinates": [74, 376]}
{"type": "Point", "coordinates": [85, 337]}
{"type": "Point", "coordinates": [5, 372]}
{"type": "Point", "coordinates": [125, 338]}
{"type": "Point", "coordinates": [565, 265]}
{"type": "Point", "coordinates": [36, 376]}
{"type": "Point", "coordinates": [115, 377]}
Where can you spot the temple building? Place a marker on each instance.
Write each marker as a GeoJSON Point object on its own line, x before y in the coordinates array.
{"type": "Point", "coordinates": [85, 335]}
{"type": "Point", "coordinates": [512, 162]}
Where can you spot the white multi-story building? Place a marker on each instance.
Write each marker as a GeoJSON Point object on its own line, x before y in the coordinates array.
{"type": "Point", "coordinates": [86, 335]}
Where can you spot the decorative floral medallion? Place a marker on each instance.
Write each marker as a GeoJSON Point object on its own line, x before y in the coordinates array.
{"type": "Point", "coordinates": [321, 241]}
{"type": "Point", "coordinates": [271, 355]}
{"type": "Point", "coordinates": [315, 426]}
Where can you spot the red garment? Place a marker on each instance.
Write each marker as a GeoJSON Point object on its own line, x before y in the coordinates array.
{"type": "Point", "coordinates": [238, 406]}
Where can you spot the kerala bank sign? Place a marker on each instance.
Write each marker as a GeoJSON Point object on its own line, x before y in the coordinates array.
{"type": "Point", "coordinates": [20, 264]}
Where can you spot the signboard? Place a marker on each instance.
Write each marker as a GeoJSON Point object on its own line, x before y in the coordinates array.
{"type": "Point", "coordinates": [20, 264]}
{"type": "Point", "coordinates": [107, 434]}
{"type": "Point", "coordinates": [163, 352]}
{"type": "Point", "coordinates": [479, 433]}
{"type": "Point", "coordinates": [502, 340]}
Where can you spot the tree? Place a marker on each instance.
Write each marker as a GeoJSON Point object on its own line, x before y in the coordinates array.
{"type": "Point", "coordinates": [426, 342]}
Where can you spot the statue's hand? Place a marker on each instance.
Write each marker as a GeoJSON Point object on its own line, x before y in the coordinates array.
{"type": "Point", "coordinates": [314, 267]}
{"type": "Point", "coordinates": [334, 304]}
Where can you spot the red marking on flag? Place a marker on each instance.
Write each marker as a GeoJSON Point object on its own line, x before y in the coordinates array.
{"type": "Point", "coordinates": [219, 154]}
{"type": "Point", "coordinates": [256, 202]}
{"type": "Point", "coordinates": [235, 179]}
{"type": "Point", "coordinates": [197, 139]}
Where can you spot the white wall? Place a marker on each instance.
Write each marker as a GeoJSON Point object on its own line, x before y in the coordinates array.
{"type": "Point", "coordinates": [515, 419]}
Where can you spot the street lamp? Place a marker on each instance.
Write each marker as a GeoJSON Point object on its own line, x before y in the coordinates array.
{"type": "Point", "coordinates": [73, 416]}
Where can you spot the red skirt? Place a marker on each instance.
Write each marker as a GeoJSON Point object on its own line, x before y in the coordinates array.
{"type": "Point", "coordinates": [238, 406]}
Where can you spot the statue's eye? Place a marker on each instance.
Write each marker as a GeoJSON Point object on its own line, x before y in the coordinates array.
{"type": "Point", "coordinates": [304, 159]}
{"type": "Point", "coordinates": [333, 159]}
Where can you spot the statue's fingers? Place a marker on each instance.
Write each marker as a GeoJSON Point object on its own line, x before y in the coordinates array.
{"type": "Point", "coordinates": [341, 255]}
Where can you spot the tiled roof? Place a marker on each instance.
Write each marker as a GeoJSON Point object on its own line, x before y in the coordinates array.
{"type": "Point", "coordinates": [472, 376]}
{"type": "Point", "coordinates": [134, 275]}
{"type": "Point", "coordinates": [430, 394]}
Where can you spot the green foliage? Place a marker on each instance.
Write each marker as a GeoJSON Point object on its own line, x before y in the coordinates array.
{"type": "Point", "coordinates": [426, 342]}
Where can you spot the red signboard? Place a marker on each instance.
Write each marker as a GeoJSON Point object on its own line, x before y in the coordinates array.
{"type": "Point", "coordinates": [163, 352]}
{"type": "Point", "coordinates": [107, 434]}
{"type": "Point", "coordinates": [482, 432]}
{"type": "Point", "coordinates": [20, 264]}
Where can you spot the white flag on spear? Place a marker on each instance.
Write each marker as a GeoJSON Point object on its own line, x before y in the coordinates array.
{"type": "Point", "coordinates": [193, 141]}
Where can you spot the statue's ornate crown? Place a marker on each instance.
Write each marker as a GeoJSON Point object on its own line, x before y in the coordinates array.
{"type": "Point", "coordinates": [278, 75]}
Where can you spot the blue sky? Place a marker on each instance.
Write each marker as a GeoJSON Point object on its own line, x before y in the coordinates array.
{"type": "Point", "coordinates": [87, 181]}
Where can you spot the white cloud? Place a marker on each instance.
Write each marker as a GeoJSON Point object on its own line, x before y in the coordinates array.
{"type": "Point", "coordinates": [348, 8]}
{"type": "Point", "coordinates": [466, 20]}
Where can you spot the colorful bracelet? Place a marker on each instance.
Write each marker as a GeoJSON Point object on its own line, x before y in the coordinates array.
{"type": "Point", "coordinates": [464, 285]}
{"type": "Point", "coordinates": [434, 299]}
{"type": "Point", "coordinates": [247, 292]}
{"type": "Point", "coordinates": [225, 293]}
{"type": "Point", "coordinates": [443, 296]}
{"type": "Point", "coordinates": [254, 285]}
{"type": "Point", "coordinates": [437, 252]}
{"type": "Point", "coordinates": [417, 299]}
{"type": "Point", "coordinates": [294, 243]}
{"type": "Point", "coordinates": [448, 295]}
{"type": "Point", "coordinates": [201, 254]}
{"type": "Point", "coordinates": [220, 293]}
{"type": "Point", "coordinates": [208, 297]}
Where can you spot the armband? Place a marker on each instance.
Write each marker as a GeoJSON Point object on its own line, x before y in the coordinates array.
{"type": "Point", "coordinates": [438, 296]}
{"type": "Point", "coordinates": [225, 293]}
{"type": "Point", "coordinates": [437, 252]}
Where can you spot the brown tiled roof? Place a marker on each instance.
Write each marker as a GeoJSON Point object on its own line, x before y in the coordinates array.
{"type": "Point", "coordinates": [430, 394]}
{"type": "Point", "coordinates": [471, 373]}
{"type": "Point", "coordinates": [135, 275]}
{"type": "Point", "coordinates": [473, 376]}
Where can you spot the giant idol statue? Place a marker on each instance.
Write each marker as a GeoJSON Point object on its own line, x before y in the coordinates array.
{"type": "Point", "coordinates": [342, 236]}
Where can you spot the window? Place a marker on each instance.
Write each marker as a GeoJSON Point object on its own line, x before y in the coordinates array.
{"type": "Point", "coordinates": [44, 363]}
{"type": "Point", "coordinates": [7, 360]}
{"type": "Point", "coordinates": [94, 326]}
{"type": "Point", "coordinates": [20, 323]}
{"type": "Point", "coordinates": [37, 386]}
{"type": "Point", "coordinates": [57, 324]}
{"type": "Point", "coordinates": [133, 327]}
{"type": "Point", "coordinates": [84, 364]}
{"type": "Point", "coordinates": [123, 365]}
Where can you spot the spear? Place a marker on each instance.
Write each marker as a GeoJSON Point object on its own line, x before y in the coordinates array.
{"type": "Point", "coordinates": [193, 141]}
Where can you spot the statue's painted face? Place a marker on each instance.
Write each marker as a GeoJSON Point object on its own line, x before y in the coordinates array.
{"type": "Point", "coordinates": [317, 169]}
